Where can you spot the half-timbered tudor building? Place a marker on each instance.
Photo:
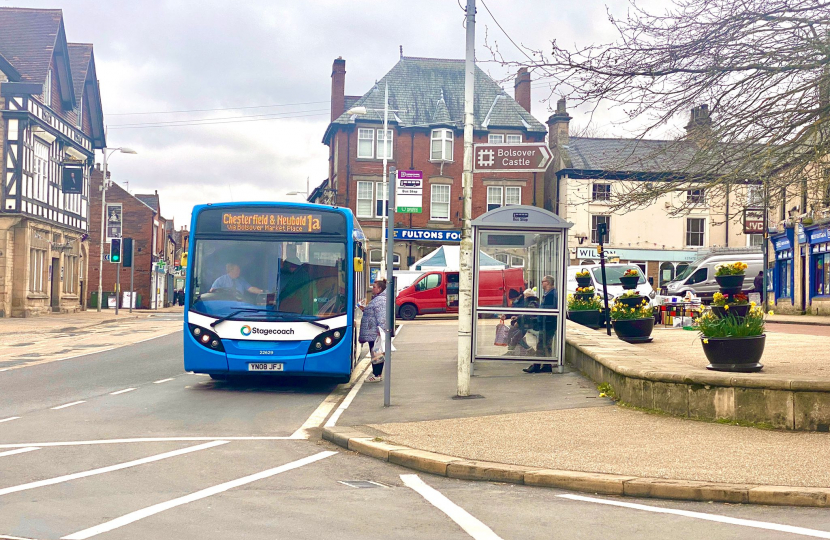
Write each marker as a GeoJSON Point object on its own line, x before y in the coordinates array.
{"type": "Point", "coordinates": [50, 126]}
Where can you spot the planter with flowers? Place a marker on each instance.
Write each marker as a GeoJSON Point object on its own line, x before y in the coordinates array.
{"type": "Point", "coordinates": [583, 278]}
{"type": "Point", "coordinates": [633, 324]}
{"type": "Point", "coordinates": [586, 311]}
{"type": "Point", "coordinates": [730, 277]}
{"type": "Point", "coordinates": [733, 343]}
{"type": "Point", "coordinates": [629, 279]}
{"type": "Point", "coordinates": [584, 293]}
{"type": "Point", "coordinates": [735, 304]}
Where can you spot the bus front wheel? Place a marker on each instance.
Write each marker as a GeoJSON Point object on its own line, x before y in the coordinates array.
{"type": "Point", "coordinates": [408, 312]}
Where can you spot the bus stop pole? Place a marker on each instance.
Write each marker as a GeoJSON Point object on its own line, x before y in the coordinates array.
{"type": "Point", "coordinates": [132, 275]}
{"type": "Point", "coordinates": [465, 274]}
{"type": "Point", "coordinates": [390, 289]}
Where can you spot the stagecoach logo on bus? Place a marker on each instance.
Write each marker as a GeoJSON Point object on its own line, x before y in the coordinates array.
{"type": "Point", "coordinates": [247, 331]}
{"type": "Point", "coordinates": [270, 222]}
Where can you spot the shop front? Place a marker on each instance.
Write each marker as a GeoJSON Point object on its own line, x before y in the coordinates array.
{"type": "Point", "coordinates": [819, 269]}
{"type": "Point", "coordinates": [784, 272]}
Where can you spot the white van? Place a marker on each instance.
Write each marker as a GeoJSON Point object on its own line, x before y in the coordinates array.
{"type": "Point", "coordinates": [612, 279]}
{"type": "Point", "coordinates": [699, 277]}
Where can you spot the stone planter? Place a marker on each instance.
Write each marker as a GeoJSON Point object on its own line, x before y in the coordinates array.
{"type": "Point", "coordinates": [591, 318]}
{"type": "Point", "coordinates": [629, 283]}
{"type": "Point", "coordinates": [634, 330]}
{"type": "Point", "coordinates": [736, 354]}
{"type": "Point", "coordinates": [583, 281]}
{"type": "Point", "coordinates": [730, 284]}
{"type": "Point", "coordinates": [734, 309]}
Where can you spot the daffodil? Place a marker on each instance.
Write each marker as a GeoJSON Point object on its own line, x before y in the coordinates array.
{"type": "Point", "coordinates": [752, 304]}
{"type": "Point", "coordinates": [705, 340]}
{"type": "Point", "coordinates": [771, 312]}
{"type": "Point", "coordinates": [726, 307]}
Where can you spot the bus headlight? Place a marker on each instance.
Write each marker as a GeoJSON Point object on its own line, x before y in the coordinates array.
{"type": "Point", "coordinates": [206, 338]}
{"type": "Point", "coordinates": [326, 340]}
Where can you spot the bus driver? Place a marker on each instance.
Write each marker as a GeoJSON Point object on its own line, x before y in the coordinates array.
{"type": "Point", "coordinates": [232, 280]}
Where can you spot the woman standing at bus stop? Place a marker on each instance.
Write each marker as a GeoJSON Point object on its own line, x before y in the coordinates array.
{"type": "Point", "coordinates": [374, 315]}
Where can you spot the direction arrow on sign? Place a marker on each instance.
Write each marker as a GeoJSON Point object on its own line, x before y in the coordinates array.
{"type": "Point", "coordinates": [525, 157]}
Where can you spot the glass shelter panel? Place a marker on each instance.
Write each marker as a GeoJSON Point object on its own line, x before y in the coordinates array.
{"type": "Point", "coordinates": [512, 336]}
{"type": "Point", "coordinates": [531, 286]}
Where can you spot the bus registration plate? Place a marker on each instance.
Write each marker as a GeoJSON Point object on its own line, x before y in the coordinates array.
{"type": "Point", "coordinates": [265, 367]}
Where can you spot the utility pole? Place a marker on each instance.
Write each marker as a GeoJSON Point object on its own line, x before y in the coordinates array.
{"type": "Point", "coordinates": [390, 290]}
{"type": "Point", "coordinates": [132, 274]}
{"type": "Point", "coordinates": [465, 275]}
{"type": "Point", "coordinates": [385, 188]}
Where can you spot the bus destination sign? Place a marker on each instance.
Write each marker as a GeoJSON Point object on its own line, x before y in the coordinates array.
{"type": "Point", "coordinates": [270, 222]}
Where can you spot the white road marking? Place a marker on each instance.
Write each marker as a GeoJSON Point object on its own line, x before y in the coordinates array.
{"type": "Point", "coordinates": [163, 381]}
{"type": "Point", "coordinates": [143, 440]}
{"type": "Point", "coordinates": [319, 414]}
{"type": "Point", "coordinates": [462, 518]}
{"type": "Point", "coordinates": [350, 397]}
{"type": "Point", "coordinates": [111, 468]}
{"type": "Point", "coordinates": [9, 419]}
{"type": "Point", "coordinates": [707, 517]}
{"type": "Point", "coordinates": [4, 369]}
{"type": "Point", "coordinates": [65, 405]}
{"type": "Point", "coordinates": [161, 507]}
{"type": "Point", "coordinates": [124, 391]}
{"type": "Point", "coordinates": [19, 451]}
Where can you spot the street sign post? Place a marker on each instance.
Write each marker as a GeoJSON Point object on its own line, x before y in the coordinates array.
{"type": "Point", "coordinates": [522, 157]}
{"type": "Point", "coordinates": [409, 192]}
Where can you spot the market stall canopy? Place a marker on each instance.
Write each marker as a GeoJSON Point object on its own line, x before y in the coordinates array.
{"type": "Point", "coordinates": [447, 258]}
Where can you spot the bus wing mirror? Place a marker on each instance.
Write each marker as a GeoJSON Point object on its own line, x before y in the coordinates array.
{"type": "Point", "coordinates": [358, 264]}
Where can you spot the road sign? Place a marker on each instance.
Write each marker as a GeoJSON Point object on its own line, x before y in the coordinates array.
{"type": "Point", "coordinates": [113, 221]}
{"type": "Point", "coordinates": [753, 221]}
{"type": "Point", "coordinates": [409, 192]}
{"type": "Point", "coordinates": [524, 157]}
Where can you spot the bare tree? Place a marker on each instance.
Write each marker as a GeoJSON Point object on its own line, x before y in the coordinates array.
{"type": "Point", "coordinates": [762, 66]}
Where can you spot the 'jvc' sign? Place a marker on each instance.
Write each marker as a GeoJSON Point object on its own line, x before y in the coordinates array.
{"type": "Point", "coordinates": [753, 221]}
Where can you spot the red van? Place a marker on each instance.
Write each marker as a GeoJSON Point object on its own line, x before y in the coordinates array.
{"type": "Point", "coordinates": [437, 292]}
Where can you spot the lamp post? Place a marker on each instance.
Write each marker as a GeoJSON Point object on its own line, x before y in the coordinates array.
{"type": "Point", "coordinates": [387, 189]}
{"type": "Point", "coordinates": [104, 185]}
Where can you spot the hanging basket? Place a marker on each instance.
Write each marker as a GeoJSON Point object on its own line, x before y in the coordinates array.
{"type": "Point", "coordinates": [629, 283]}
{"type": "Point", "coordinates": [634, 301]}
{"type": "Point", "coordinates": [583, 281]}
{"type": "Point", "coordinates": [730, 284]}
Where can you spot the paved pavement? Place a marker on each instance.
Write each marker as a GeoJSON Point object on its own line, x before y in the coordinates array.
{"type": "Point", "coordinates": [122, 444]}
{"type": "Point", "coordinates": [560, 422]}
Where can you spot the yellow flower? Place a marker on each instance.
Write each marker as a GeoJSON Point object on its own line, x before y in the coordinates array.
{"type": "Point", "coordinates": [705, 340]}
{"type": "Point", "coordinates": [771, 312]}
{"type": "Point", "coordinates": [752, 304]}
{"type": "Point", "coordinates": [726, 307]}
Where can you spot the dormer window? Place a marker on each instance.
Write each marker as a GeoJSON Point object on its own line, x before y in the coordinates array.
{"type": "Point", "coordinates": [47, 89]}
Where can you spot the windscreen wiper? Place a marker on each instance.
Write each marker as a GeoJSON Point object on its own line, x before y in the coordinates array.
{"type": "Point", "coordinates": [271, 312]}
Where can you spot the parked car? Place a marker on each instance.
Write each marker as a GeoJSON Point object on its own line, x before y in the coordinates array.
{"type": "Point", "coordinates": [699, 277]}
{"type": "Point", "coordinates": [437, 292]}
{"type": "Point", "coordinates": [612, 279]}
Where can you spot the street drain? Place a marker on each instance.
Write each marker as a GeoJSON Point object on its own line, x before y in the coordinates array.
{"type": "Point", "coordinates": [361, 484]}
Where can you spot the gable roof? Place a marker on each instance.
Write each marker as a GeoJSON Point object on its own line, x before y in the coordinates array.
{"type": "Point", "coordinates": [417, 85]}
{"type": "Point", "coordinates": [150, 199]}
{"type": "Point", "coordinates": [29, 39]}
{"type": "Point", "coordinates": [79, 56]}
{"type": "Point", "coordinates": [82, 61]}
{"type": "Point", "coordinates": [630, 155]}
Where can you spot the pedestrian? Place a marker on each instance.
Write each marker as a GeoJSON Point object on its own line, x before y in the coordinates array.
{"type": "Point", "coordinates": [374, 316]}
{"type": "Point", "coordinates": [181, 297]}
{"type": "Point", "coordinates": [547, 326]}
{"type": "Point", "coordinates": [758, 283]}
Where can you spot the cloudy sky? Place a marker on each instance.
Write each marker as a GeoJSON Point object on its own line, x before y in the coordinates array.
{"type": "Point", "coordinates": [266, 64]}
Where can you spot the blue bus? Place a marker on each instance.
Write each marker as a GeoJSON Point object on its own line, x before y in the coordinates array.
{"type": "Point", "coordinates": [272, 288]}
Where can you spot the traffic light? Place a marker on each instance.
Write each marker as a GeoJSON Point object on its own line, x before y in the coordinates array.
{"type": "Point", "coordinates": [115, 250]}
{"type": "Point", "coordinates": [127, 259]}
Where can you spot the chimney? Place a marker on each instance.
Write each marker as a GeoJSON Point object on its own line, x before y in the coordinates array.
{"type": "Point", "coordinates": [338, 88]}
{"type": "Point", "coordinates": [700, 123]}
{"type": "Point", "coordinates": [558, 126]}
{"type": "Point", "coordinates": [521, 90]}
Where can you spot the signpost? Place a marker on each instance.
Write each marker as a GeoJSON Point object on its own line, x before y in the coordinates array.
{"type": "Point", "coordinates": [409, 192]}
{"type": "Point", "coordinates": [521, 157]}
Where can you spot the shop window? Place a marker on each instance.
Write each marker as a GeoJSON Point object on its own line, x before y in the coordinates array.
{"type": "Point", "coordinates": [821, 279]}
{"type": "Point", "coordinates": [37, 259]}
{"type": "Point", "coordinates": [666, 272]}
{"type": "Point", "coordinates": [785, 276]}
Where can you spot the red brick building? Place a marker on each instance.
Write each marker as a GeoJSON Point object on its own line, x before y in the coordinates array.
{"type": "Point", "coordinates": [426, 134]}
{"type": "Point", "coordinates": [151, 260]}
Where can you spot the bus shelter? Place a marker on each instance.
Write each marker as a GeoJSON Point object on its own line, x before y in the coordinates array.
{"type": "Point", "coordinates": [519, 311]}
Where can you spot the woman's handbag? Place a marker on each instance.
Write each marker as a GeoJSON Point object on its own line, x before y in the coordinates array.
{"type": "Point", "coordinates": [501, 334]}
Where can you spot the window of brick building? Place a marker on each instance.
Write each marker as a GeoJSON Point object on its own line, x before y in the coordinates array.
{"type": "Point", "coordinates": [493, 197]}
{"type": "Point", "coordinates": [388, 144]}
{"type": "Point", "coordinates": [365, 143]}
{"type": "Point", "coordinates": [439, 207]}
{"type": "Point", "coordinates": [495, 138]}
{"type": "Point", "coordinates": [365, 199]}
{"type": "Point", "coordinates": [381, 202]}
{"type": "Point", "coordinates": [695, 228]}
{"type": "Point", "coordinates": [498, 196]}
{"type": "Point", "coordinates": [441, 145]}
{"type": "Point", "coordinates": [513, 139]}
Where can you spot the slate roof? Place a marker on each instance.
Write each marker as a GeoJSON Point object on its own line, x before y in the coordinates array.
{"type": "Point", "coordinates": [630, 155]}
{"type": "Point", "coordinates": [79, 56]}
{"type": "Point", "coordinates": [28, 38]}
{"type": "Point", "coordinates": [418, 84]}
{"type": "Point", "coordinates": [150, 199]}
